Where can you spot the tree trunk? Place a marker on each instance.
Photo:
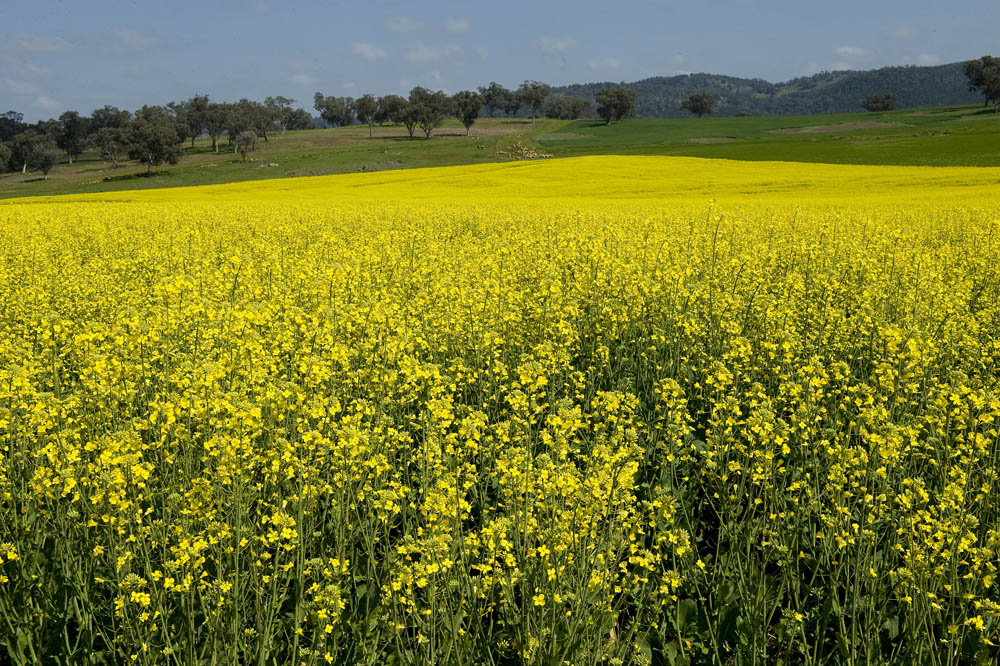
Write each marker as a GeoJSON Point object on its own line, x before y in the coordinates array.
{"type": "Point", "coordinates": [371, 129]}
{"type": "Point", "coordinates": [192, 143]}
{"type": "Point", "coordinates": [468, 130]}
{"type": "Point", "coordinates": [24, 167]}
{"type": "Point", "coordinates": [215, 145]}
{"type": "Point", "coordinates": [149, 169]}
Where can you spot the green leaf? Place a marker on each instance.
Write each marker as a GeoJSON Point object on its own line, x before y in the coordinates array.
{"type": "Point", "coordinates": [687, 609]}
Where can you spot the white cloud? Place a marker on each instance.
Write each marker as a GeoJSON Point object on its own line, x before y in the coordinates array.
{"type": "Point", "coordinates": [605, 63]}
{"type": "Point", "coordinates": [482, 53]}
{"type": "Point", "coordinates": [555, 44]}
{"type": "Point", "coordinates": [46, 102]}
{"type": "Point", "coordinates": [928, 59]}
{"type": "Point", "coordinates": [350, 85]}
{"type": "Point", "coordinates": [130, 40]}
{"type": "Point", "coordinates": [402, 24]}
{"type": "Point", "coordinates": [16, 87]}
{"type": "Point", "coordinates": [301, 79]}
{"type": "Point", "coordinates": [261, 7]}
{"type": "Point", "coordinates": [37, 70]}
{"type": "Point", "coordinates": [458, 26]}
{"type": "Point", "coordinates": [903, 31]}
{"type": "Point", "coordinates": [40, 44]}
{"type": "Point", "coordinates": [855, 51]}
{"type": "Point", "coordinates": [435, 75]}
{"type": "Point", "coordinates": [840, 66]}
{"type": "Point", "coordinates": [424, 53]}
{"type": "Point", "coordinates": [369, 52]}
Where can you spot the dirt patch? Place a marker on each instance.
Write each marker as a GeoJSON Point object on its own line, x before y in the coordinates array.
{"type": "Point", "coordinates": [843, 127]}
{"type": "Point", "coordinates": [381, 166]}
{"type": "Point", "coordinates": [712, 139]}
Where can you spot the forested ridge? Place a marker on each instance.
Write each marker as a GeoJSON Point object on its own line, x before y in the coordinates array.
{"type": "Point", "coordinates": [826, 92]}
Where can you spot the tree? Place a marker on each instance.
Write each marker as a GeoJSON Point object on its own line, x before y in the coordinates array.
{"type": "Point", "coordinates": [43, 157]}
{"type": "Point", "coordinates": [112, 142]}
{"type": "Point", "coordinates": [191, 115]}
{"type": "Point", "coordinates": [699, 103]}
{"type": "Point", "coordinates": [299, 119]}
{"type": "Point", "coordinates": [73, 132]}
{"type": "Point", "coordinates": [239, 118]}
{"type": "Point", "coordinates": [567, 108]}
{"type": "Point", "coordinates": [513, 104]}
{"type": "Point", "coordinates": [495, 97]}
{"type": "Point", "coordinates": [11, 123]}
{"type": "Point", "coordinates": [247, 115]}
{"type": "Point", "coordinates": [5, 155]}
{"type": "Point", "coordinates": [50, 129]}
{"type": "Point", "coordinates": [390, 109]}
{"type": "Point", "coordinates": [366, 107]}
{"type": "Point", "coordinates": [984, 76]}
{"type": "Point", "coordinates": [409, 117]}
{"type": "Point", "coordinates": [153, 138]}
{"type": "Point", "coordinates": [108, 116]}
{"type": "Point", "coordinates": [216, 117]}
{"type": "Point", "coordinates": [429, 108]}
{"type": "Point", "coordinates": [532, 94]}
{"type": "Point", "coordinates": [467, 105]}
{"type": "Point", "coordinates": [880, 102]}
{"type": "Point", "coordinates": [246, 142]}
{"type": "Point", "coordinates": [23, 145]}
{"type": "Point", "coordinates": [615, 104]}
{"type": "Point", "coordinates": [335, 111]}
{"type": "Point", "coordinates": [265, 118]}
{"type": "Point", "coordinates": [281, 109]}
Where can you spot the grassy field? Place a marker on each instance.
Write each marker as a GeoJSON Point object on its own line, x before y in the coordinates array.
{"type": "Point", "coordinates": [954, 136]}
{"type": "Point", "coordinates": [603, 410]}
{"type": "Point", "coordinates": [299, 153]}
{"type": "Point", "coordinates": [945, 136]}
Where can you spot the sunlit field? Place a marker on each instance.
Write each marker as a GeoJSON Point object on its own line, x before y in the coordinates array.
{"type": "Point", "coordinates": [594, 411]}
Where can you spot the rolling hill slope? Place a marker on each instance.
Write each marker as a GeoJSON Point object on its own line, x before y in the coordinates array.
{"type": "Point", "coordinates": [826, 92]}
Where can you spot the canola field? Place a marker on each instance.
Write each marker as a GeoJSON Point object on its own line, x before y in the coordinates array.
{"type": "Point", "coordinates": [599, 411]}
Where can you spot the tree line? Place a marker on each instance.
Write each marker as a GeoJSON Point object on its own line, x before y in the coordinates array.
{"type": "Point", "coordinates": [825, 92]}
{"type": "Point", "coordinates": [152, 135]}
{"type": "Point", "coordinates": [155, 135]}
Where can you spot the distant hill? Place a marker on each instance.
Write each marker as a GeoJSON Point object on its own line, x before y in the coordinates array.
{"type": "Point", "coordinates": [826, 92]}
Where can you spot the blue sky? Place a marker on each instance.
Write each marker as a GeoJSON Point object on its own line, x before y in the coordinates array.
{"type": "Point", "coordinates": [83, 54]}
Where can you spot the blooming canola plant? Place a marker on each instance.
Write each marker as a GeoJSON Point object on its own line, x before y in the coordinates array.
{"type": "Point", "coordinates": [583, 411]}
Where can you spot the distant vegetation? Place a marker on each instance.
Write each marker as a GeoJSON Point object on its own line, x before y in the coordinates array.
{"type": "Point", "coordinates": [154, 135]}
{"type": "Point", "coordinates": [826, 92]}
{"type": "Point", "coordinates": [883, 102]}
{"type": "Point", "coordinates": [615, 104]}
{"type": "Point", "coordinates": [984, 77]}
{"type": "Point", "coordinates": [700, 104]}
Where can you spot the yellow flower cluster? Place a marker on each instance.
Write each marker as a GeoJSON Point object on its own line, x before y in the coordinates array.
{"type": "Point", "coordinates": [566, 412]}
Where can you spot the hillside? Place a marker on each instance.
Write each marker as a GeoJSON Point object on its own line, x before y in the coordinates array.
{"type": "Point", "coordinates": [945, 136]}
{"type": "Point", "coordinates": [826, 92]}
